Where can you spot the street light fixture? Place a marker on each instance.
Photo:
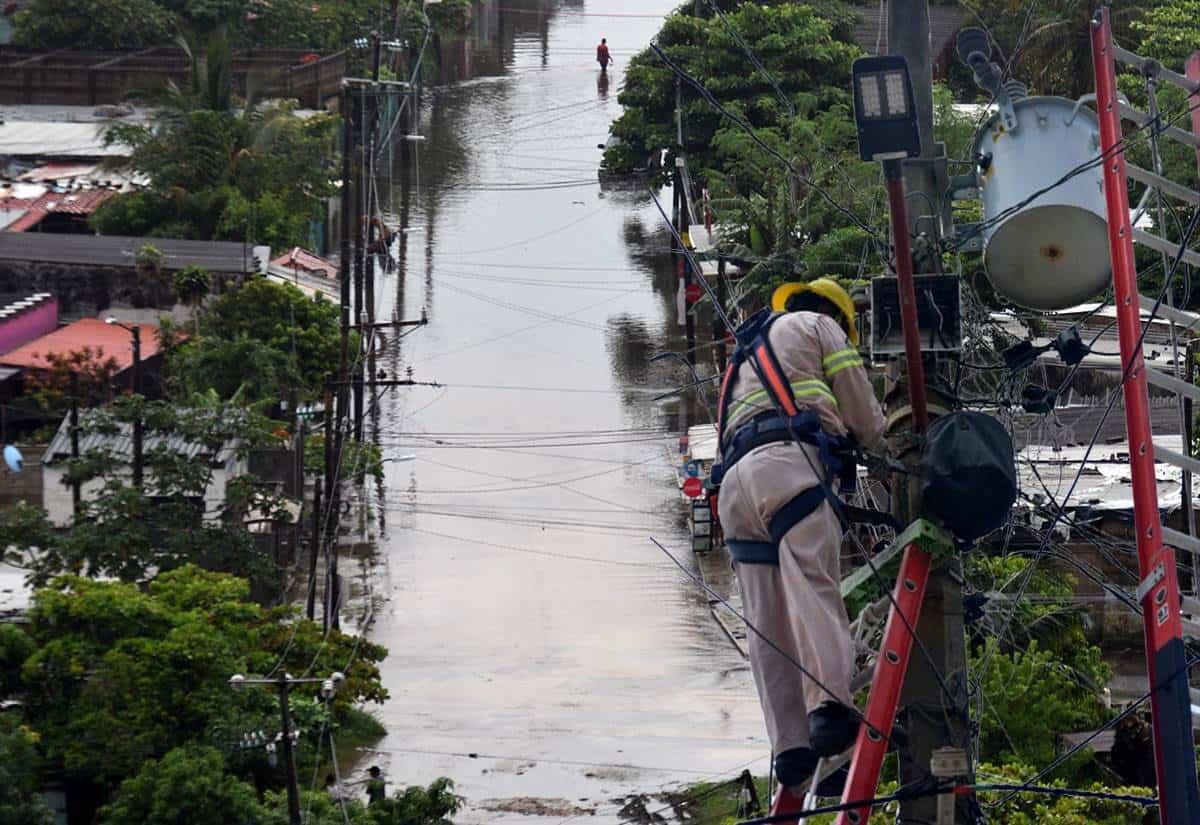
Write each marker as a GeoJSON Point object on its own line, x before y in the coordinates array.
{"type": "Point", "coordinates": [884, 109]}
{"type": "Point", "coordinates": [136, 386]}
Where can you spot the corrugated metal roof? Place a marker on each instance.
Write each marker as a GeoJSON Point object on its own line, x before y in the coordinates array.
{"type": "Point", "coordinates": [110, 340]}
{"type": "Point", "coordinates": [105, 250]}
{"type": "Point", "coordinates": [121, 442]}
{"type": "Point", "coordinates": [46, 139]}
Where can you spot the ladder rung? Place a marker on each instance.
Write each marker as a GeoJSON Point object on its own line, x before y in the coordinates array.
{"type": "Point", "coordinates": [1163, 245]}
{"type": "Point", "coordinates": [1180, 460]}
{"type": "Point", "coordinates": [1181, 541]}
{"type": "Point", "coordinates": [1141, 119]}
{"type": "Point", "coordinates": [1166, 185]}
{"type": "Point", "coordinates": [1185, 319]}
{"type": "Point", "coordinates": [1170, 383]}
{"type": "Point", "coordinates": [1155, 68]}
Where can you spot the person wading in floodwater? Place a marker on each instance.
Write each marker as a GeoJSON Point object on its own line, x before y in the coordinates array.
{"type": "Point", "coordinates": [602, 55]}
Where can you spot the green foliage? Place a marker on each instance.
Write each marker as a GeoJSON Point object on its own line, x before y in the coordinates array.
{"type": "Point", "coordinates": [1036, 809]}
{"type": "Point", "coordinates": [92, 24]}
{"type": "Point", "coordinates": [241, 370]}
{"type": "Point", "coordinates": [15, 648]}
{"type": "Point", "coordinates": [1170, 31]}
{"type": "Point", "coordinates": [121, 675]}
{"type": "Point", "coordinates": [283, 318]}
{"type": "Point", "coordinates": [21, 802]}
{"type": "Point", "coordinates": [1048, 46]}
{"type": "Point", "coordinates": [257, 173]}
{"type": "Point", "coordinates": [188, 784]}
{"type": "Point", "coordinates": [417, 805]}
{"type": "Point", "coordinates": [365, 458]}
{"type": "Point", "coordinates": [1030, 697]}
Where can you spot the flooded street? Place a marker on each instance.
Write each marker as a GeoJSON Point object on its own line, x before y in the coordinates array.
{"type": "Point", "coordinates": [540, 645]}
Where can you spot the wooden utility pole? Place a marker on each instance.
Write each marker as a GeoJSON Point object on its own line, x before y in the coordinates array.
{"type": "Point", "coordinates": [75, 487]}
{"type": "Point", "coordinates": [931, 721]}
{"type": "Point", "coordinates": [333, 458]}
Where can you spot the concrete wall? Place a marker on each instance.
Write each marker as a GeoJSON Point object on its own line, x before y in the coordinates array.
{"type": "Point", "coordinates": [83, 291]}
{"type": "Point", "coordinates": [34, 322]}
{"type": "Point", "coordinates": [26, 485]}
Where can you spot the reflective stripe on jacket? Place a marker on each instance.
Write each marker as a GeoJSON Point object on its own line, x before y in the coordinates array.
{"type": "Point", "coordinates": [825, 372]}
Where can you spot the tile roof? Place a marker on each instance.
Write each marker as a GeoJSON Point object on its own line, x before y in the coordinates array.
{"type": "Point", "coordinates": [111, 340]}
{"type": "Point", "coordinates": [82, 202]}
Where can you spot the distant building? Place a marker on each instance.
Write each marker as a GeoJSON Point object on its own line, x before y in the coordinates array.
{"type": "Point", "coordinates": [105, 340]}
{"type": "Point", "coordinates": [225, 462]}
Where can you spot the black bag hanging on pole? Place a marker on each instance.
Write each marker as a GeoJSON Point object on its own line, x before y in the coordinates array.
{"type": "Point", "coordinates": [968, 473]}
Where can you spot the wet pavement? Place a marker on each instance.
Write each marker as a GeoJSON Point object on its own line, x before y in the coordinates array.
{"type": "Point", "coordinates": [540, 645]}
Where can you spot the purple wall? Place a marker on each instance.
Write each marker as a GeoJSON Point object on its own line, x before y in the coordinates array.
{"type": "Point", "coordinates": [34, 322]}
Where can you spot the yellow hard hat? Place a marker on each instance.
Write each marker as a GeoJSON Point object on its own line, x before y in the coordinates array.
{"type": "Point", "coordinates": [828, 289]}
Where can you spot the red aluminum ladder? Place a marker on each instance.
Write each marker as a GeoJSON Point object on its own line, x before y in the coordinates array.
{"type": "Point", "coordinates": [1158, 591]}
{"type": "Point", "coordinates": [923, 544]}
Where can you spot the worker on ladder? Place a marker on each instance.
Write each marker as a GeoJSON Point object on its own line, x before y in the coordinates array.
{"type": "Point", "coordinates": [782, 521]}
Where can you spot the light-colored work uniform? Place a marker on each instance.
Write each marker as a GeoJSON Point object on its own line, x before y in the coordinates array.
{"type": "Point", "coordinates": [797, 605]}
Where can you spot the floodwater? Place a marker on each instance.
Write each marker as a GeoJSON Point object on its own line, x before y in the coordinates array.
{"type": "Point", "coordinates": [540, 644]}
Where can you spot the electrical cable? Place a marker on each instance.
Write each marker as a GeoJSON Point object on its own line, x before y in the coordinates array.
{"type": "Point", "coordinates": [750, 132]}
{"type": "Point", "coordinates": [1136, 354]}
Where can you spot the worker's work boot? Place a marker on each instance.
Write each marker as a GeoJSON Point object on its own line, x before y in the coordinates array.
{"type": "Point", "coordinates": [832, 728]}
{"type": "Point", "coordinates": [796, 766]}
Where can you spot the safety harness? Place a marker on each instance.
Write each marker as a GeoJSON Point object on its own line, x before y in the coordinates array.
{"type": "Point", "coordinates": [786, 419]}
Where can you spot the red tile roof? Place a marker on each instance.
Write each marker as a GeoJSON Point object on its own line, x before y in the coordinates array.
{"type": "Point", "coordinates": [82, 202]}
{"type": "Point", "coordinates": [109, 339]}
{"type": "Point", "coordinates": [305, 261]}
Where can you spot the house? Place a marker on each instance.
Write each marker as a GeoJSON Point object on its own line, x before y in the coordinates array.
{"type": "Point", "coordinates": [225, 462]}
{"type": "Point", "coordinates": [26, 318]}
{"type": "Point", "coordinates": [106, 341]}
{"type": "Point", "coordinates": [54, 212]}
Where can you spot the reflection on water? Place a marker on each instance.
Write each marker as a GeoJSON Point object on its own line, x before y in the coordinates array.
{"type": "Point", "coordinates": [529, 619]}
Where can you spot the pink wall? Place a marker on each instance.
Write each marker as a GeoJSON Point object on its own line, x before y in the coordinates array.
{"type": "Point", "coordinates": [18, 330]}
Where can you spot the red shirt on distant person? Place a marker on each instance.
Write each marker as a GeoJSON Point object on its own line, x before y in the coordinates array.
{"type": "Point", "coordinates": [602, 55]}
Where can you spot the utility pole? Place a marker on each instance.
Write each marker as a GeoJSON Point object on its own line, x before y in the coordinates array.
{"type": "Point", "coordinates": [334, 456]}
{"type": "Point", "coordinates": [359, 255]}
{"type": "Point", "coordinates": [284, 683]}
{"type": "Point", "coordinates": [930, 723]}
{"type": "Point", "coordinates": [137, 419]}
{"type": "Point", "coordinates": [328, 533]}
{"type": "Point", "coordinates": [136, 388]}
{"type": "Point", "coordinates": [368, 364]}
{"type": "Point", "coordinates": [75, 488]}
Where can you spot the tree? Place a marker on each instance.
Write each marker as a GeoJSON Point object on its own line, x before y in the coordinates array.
{"type": "Point", "coordinates": [1170, 31]}
{"type": "Point", "coordinates": [283, 318]}
{"type": "Point", "coordinates": [92, 24]}
{"type": "Point", "coordinates": [20, 801]}
{"type": "Point", "coordinates": [214, 161]}
{"type": "Point", "coordinates": [122, 674]}
{"type": "Point", "coordinates": [188, 784]}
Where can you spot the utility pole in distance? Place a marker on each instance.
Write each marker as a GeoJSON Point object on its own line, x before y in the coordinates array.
{"type": "Point", "coordinates": [931, 724]}
{"type": "Point", "coordinates": [333, 485]}
{"type": "Point", "coordinates": [284, 683]}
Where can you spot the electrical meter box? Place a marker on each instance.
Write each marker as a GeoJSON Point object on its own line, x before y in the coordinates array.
{"type": "Point", "coordinates": [939, 314]}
